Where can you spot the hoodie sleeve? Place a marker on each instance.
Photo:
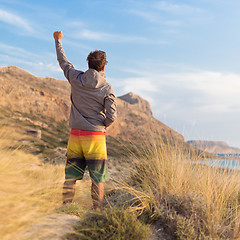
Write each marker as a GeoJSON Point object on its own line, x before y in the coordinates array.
{"type": "Point", "coordinates": [69, 71]}
{"type": "Point", "coordinates": [111, 111]}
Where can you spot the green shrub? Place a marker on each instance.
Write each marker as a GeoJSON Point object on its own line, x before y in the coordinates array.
{"type": "Point", "coordinates": [114, 224]}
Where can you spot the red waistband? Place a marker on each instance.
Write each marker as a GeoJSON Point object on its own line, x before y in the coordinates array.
{"type": "Point", "coordinates": [78, 132]}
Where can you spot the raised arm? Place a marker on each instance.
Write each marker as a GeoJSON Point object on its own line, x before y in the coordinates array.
{"type": "Point", "coordinates": [69, 71]}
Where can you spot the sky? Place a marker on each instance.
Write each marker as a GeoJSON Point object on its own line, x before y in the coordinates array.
{"type": "Point", "coordinates": [181, 56]}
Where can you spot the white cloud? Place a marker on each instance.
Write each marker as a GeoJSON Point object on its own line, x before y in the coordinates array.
{"type": "Point", "coordinates": [77, 44]}
{"type": "Point", "coordinates": [198, 91]}
{"type": "Point", "coordinates": [138, 84]}
{"type": "Point", "coordinates": [178, 8]}
{"type": "Point", "coordinates": [171, 15]}
{"type": "Point", "coordinates": [91, 35]}
{"type": "Point", "coordinates": [109, 37]}
{"type": "Point", "coordinates": [75, 23]}
{"type": "Point", "coordinates": [217, 92]}
{"type": "Point", "coordinates": [154, 17]}
{"type": "Point", "coordinates": [16, 51]}
{"type": "Point", "coordinates": [15, 20]}
{"type": "Point", "coordinates": [40, 67]}
{"type": "Point", "coordinates": [39, 64]}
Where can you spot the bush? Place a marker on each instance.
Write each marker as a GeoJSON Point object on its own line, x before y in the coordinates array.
{"type": "Point", "coordinates": [114, 224]}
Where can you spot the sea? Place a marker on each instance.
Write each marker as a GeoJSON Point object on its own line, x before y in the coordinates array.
{"type": "Point", "coordinates": [227, 161]}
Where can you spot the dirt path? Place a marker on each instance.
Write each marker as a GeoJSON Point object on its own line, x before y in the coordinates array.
{"type": "Point", "coordinates": [53, 227]}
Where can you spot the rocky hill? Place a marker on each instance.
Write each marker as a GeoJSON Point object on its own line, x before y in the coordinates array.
{"type": "Point", "coordinates": [27, 101]}
{"type": "Point", "coordinates": [24, 93]}
{"type": "Point", "coordinates": [215, 147]}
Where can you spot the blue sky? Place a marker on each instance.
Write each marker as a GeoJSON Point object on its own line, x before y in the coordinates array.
{"type": "Point", "coordinates": [182, 56]}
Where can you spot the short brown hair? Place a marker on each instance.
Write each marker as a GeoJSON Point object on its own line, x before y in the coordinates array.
{"type": "Point", "coordinates": [97, 60]}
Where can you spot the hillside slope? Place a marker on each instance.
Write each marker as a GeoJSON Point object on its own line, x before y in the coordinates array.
{"type": "Point", "coordinates": [44, 103]}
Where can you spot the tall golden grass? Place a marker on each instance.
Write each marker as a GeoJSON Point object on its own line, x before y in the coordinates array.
{"type": "Point", "coordinates": [173, 188]}
{"type": "Point", "coordinates": [29, 189]}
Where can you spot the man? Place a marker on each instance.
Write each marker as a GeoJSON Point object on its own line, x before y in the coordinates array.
{"type": "Point", "coordinates": [93, 109]}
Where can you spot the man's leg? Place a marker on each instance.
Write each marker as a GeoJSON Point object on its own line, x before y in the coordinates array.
{"type": "Point", "coordinates": [95, 153]}
{"type": "Point", "coordinates": [68, 191]}
{"type": "Point", "coordinates": [97, 193]}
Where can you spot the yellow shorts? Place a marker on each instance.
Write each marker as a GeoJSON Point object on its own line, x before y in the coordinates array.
{"type": "Point", "coordinates": [87, 148]}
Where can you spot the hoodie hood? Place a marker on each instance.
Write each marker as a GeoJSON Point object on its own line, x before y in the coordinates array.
{"type": "Point", "coordinates": [93, 79]}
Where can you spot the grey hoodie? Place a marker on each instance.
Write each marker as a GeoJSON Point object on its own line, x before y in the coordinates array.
{"type": "Point", "coordinates": [93, 105]}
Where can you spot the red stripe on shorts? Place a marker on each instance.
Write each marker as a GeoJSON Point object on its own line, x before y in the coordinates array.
{"type": "Point", "coordinates": [78, 132]}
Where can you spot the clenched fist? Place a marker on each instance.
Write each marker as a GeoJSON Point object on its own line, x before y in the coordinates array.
{"type": "Point", "coordinates": [57, 35]}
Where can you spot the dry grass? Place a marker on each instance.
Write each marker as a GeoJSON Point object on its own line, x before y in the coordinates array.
{"type": "Point", "coordinates": [29, 189]}
{"type": "Point", "coordinates": [187, 200]}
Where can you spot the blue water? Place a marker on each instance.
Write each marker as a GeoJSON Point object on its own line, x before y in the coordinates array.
{"type": "Point", "coordinates": [228, 164]}
{"type": "Point", "coordinates": [228, 155]}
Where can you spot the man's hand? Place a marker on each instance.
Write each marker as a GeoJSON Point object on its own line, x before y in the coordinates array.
{"type": "Point", "coordinates": [57, 35]}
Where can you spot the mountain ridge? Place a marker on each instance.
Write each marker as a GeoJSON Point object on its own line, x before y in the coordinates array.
{"type": "Point", "coordinates": [214, 147]}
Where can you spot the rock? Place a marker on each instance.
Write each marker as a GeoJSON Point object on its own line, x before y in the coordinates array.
{"type": "Point", "coordinates": [34, 132]}
{"type": "Point", "coordinates": [139, 102]}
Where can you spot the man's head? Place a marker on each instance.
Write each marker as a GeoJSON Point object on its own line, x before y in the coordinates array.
{"type": "Point", "coordinates": [97, 60]}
